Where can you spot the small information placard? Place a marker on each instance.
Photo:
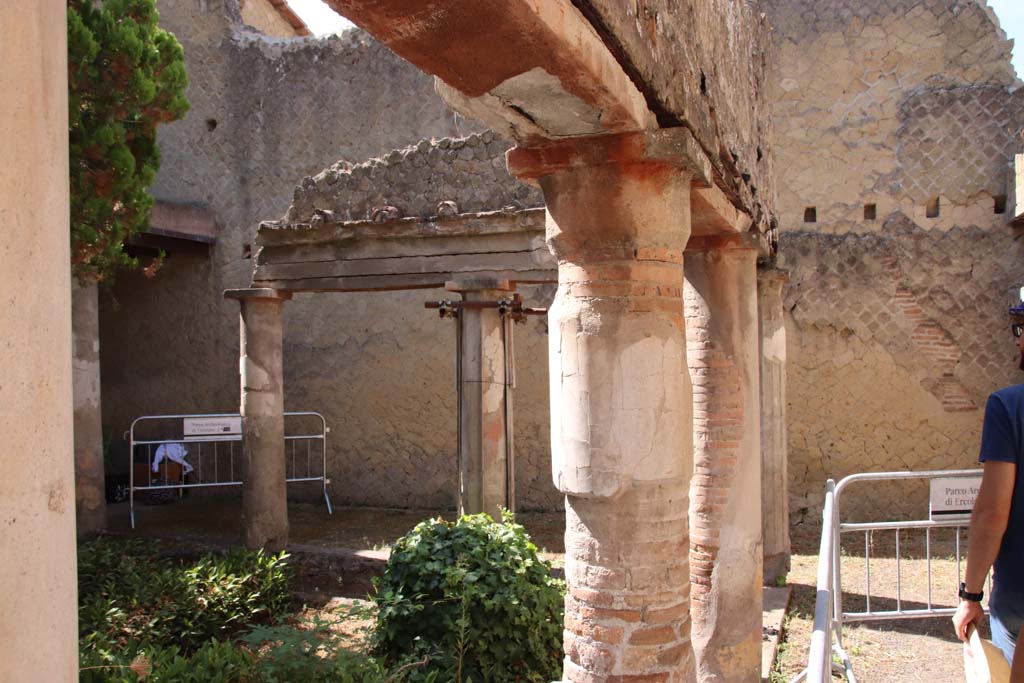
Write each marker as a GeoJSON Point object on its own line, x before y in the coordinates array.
{"type": "Point", "coordinates": [220, 428]}
{"type": "Point", "coordinates": [952, 498]}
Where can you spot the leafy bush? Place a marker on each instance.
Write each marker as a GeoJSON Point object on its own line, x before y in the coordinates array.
{"type": "Point", "coordinates": [213, 662]}
{"type": "Point", "coordinates": [270, 654]}
{"type": "Point", "coordinates": [475, 599]}
{"type": "Point", "coordinates": [127, 594]}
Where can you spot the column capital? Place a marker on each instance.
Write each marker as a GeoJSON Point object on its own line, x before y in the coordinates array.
{"type": "Point", "coordinates": [742, 241]}
{"type": "Point", "coordinates": [257, 294]}
{"type": "Point", "coordinates": [668, 146]}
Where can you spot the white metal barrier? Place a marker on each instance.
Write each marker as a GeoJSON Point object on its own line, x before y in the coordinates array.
{"type": "Point", "coordinates": [829, 614]}
{"type": "Point", "coordinates": [155, 443]}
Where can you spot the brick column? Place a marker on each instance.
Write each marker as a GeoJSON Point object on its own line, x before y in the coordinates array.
{"type": "Point", "coordinates": [774, 476]}
{"type": "Point", "coordinates": [485, 484]}
{"type": "Point", "coordinates": [621, 407]}
{"type": "Point", "coordinates": [264, 491]}
{"type": "Point", "coordinates": [725, 505]}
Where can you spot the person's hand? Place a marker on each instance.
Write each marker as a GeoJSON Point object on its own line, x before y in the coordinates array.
{"type": "Point", "coordinates": [969, 612]}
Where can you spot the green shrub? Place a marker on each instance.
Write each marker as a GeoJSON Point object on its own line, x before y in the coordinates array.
{"type": "Point", "coordinates": [213, 662]}
{"type": "Point", "coordinates": [269, 654]}
{"type": "Point", "coordinates": [127, 594]}
{"type": "Point", "coordinates": [475, 599]}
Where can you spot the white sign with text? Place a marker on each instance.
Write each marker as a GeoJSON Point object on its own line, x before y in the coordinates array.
{"type": "Point", "coordinates": [952, 498]}
{"type": "Point", "coordinates": [198, 428]}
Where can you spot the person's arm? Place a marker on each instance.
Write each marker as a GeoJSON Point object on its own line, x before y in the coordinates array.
{"type": "Point", "coordinates": [989, 518]}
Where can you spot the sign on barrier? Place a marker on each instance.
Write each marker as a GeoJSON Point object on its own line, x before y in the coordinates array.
{"type": "Point", "coordinates": [952, 498]}
{"type": "Point", "coordinates": [194, 427]}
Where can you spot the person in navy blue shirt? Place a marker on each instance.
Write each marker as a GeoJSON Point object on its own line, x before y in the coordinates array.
{"type": "Point", "coordinates": [996, 537]}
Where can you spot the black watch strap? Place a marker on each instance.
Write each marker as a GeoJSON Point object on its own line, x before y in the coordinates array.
{"type": "Point", "coordinates": [973, 597]}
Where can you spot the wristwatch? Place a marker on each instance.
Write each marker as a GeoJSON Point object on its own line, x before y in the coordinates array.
{"type": "Point", "coordinates": [973, 597]}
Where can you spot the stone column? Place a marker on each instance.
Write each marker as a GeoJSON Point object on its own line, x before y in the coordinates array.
{"type": "Point", "coordinates": [621, 407]}
{"type": "Point", "coordinates": [725, 497]}
{"type": "Point", "coordinates": [264, 491]}
{"type": "Point", "coordinates": [774, 475]}
{"type": "Point", "coordinates": [38, 601]}
{"type": "Point", "coordinates": [485, 481]}
{"type": "Point", "coordinates": [90, 489]}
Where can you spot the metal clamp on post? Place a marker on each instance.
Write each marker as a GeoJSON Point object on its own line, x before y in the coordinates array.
{"type": "Point", "coordinates": [512, 307]}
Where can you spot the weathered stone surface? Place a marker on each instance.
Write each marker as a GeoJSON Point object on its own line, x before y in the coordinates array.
{"type": "Point", "coordinates": [703, 65]}
{"type": "Point", "coordinates": [551, 77]}
{"type": "Point", "coordinates": [895, 319]}
{"type": "Point", "coordinates": [416, 180]}
{"type": "Point", "coordinates": [900, 101]}
{"type": "Point", "coordinates": [894, 341]}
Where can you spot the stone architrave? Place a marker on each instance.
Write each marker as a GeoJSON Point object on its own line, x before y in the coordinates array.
{"type": "Point", "coordinates": [774, 475]}
{"type": "Point", "coordinates": [90, 488]}
{"type": "Point", "coordinates": [264, 490]}
{"type": "Point", "coordinates": [38, 605]}
{"type": "Point", "coordinates": [621, 404]}
{"type": "Point", "coordinates": [725, 495]}
{"type": "Point", "coordinates": [485, 481]}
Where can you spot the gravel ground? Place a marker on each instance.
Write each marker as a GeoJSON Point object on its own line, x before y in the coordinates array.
{"type": "Point", "coordinates": [905, 650]}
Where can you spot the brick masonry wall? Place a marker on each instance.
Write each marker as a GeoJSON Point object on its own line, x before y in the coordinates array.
{"type": "Point", "coordinates": [895, 341]}
{"type": "Point", "coordinates": [896, 323]}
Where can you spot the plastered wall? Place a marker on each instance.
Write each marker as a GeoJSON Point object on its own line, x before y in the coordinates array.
{"type": "Point", "coordinates": [896, 312]}
{"type": "Point", "coordinates": [267, 113]}
{"type": "Point", "coordinates": [381, 366]}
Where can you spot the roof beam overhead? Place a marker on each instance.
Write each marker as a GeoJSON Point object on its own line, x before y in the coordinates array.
{"type": "Point", "coordinates": [529, 68]}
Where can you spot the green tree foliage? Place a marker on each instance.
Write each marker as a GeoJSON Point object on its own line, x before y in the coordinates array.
{"type": "Point", "coordinates": [125, 77]}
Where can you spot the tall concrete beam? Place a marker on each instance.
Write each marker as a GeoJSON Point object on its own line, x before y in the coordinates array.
{"type": "Point", "coordinates": [621, 402]}
{"type": "Point", "coordinates": [486, 483]}
{"type": "Point", "coordinates": [38, 604]}
{"type": "Point", "coordinates": [90, 488]}
{"type": "Point", "coordinates": [264, 490]}
{"type": "Point", "coordinates": [774, 452]}
{"type": "Point", "coordinates": [527, 68]}
{"type": "Point", "coordinates": [725, 496]}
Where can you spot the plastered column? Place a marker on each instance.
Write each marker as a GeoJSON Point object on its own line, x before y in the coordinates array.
{"type": "Point", "coordinates": [90, 493]}
{"type": "Point", "coordinates": [725, 507]}
{"type": "Point", "coordinates": [264, 491]}
{"type": "Point", "coordinates": [485, 484]}
{"type": "Point", "coordinates": [774, 475]}
{"type": "Point", "coordinates": [38, 601]}
{"type": "Point", "coordinates": [621, 409]}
